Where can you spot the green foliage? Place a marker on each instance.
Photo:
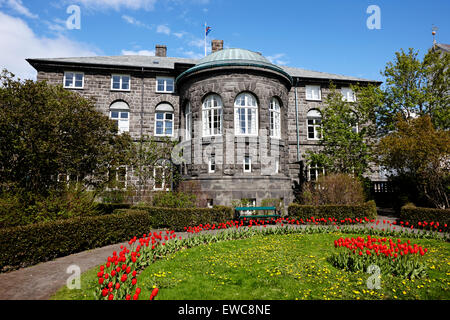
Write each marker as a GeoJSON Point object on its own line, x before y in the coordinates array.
{"type": "Point", "coordinates": [414, 215]}
{"type": "Point", "coordinates": [27, 245]}
{"type": "Point", "coordinates": [339, 212]}
{"type": "Point", "coordinates": [153, 164]}
{"type": "Point", "coordinates": [26, 207]}
{"type": "Point", "coordinates": [173, 200]}
{"type": "Point", "coordinates": [404, 266]}
{"type": "Point", "coordinates": [344, 149]}
{"type": "Point", "coordinates": [277, 203]}
{"type": "Point", "coordinates": [339, 189]}
{"type": "Point", "coordinates": [47, 131]}
{"type": "Point", "coordinates": [414, 88]}
{"type": "Point", "coordinates": [179, 218]}
{"type": "Point", "coordinates": [419, 153]}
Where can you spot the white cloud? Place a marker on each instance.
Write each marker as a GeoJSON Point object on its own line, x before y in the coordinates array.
{"type": "Point", "coordinates": [135, 22]}
{"type": "Point", "coordinates": [277, 59]}
{"type": "Point", "coordinates": [162, 28]}
{"type": "Point", "coordinates": [23, 43]}
{"type": "Point", "coordinates": [148, 5]}
{"type": "Point", "coordinates": [138, 53]}
{"type": "Point", "coordinates": [18, 7]}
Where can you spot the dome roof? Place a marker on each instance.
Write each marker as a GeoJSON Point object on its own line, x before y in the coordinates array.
{"type": "Point", "coordinates": [234, 57]}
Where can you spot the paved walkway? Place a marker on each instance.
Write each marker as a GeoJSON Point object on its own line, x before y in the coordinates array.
{"type": "Point", "coordinates": [41, 281]}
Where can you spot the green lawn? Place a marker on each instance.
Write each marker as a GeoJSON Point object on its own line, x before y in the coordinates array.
{"type": "Point", "coordinates": [292, 266]}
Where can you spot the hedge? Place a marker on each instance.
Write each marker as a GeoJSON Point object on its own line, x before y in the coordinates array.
{"type": "Point", "coordinates": [28, 245]}
{"type": "Point", "coordinates": [339, 212]}
{"type": "Point", "coordinates": [109, 208]}
{"type": "Point", "coordinates": [178, 218]}
{"type": "Point", "coordinates": [414, 215]}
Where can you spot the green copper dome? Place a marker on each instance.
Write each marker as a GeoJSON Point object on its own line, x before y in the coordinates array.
{"type": "Point", "coordinates": [234, 57]}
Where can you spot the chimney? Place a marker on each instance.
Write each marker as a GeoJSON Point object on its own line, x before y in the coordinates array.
{"type": "Point", "coordinates": [161, 51]}
{"type": "Point", "coordinates": [217, 45]}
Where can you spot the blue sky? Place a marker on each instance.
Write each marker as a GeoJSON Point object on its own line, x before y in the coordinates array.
{"type": "Point", "coordinates": [328, 35]}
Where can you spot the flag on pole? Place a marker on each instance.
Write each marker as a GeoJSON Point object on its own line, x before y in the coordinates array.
{"type": "Point", "coordinates": [208, 30]}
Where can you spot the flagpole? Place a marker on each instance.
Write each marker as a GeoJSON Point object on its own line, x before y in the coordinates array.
{"type": "Point", "coordinates": [204, 30]}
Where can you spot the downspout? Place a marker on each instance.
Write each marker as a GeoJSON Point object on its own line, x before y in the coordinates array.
{"type": "Point", "coordinates": [296, 120]}
{"type": "Point", "coordinates": [141, 134]}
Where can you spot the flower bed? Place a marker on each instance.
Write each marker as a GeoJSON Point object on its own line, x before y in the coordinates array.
{"type": "Point", "coordinates": [391, 256]}
{"type": "Point", "coordinates": [118, 277]}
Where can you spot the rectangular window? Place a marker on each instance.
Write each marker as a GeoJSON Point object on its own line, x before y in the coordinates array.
{"type": "Point", "coordinates": [315, 172]}
{"type": "Point", "coordinates": [348, 95]}
{"type": "Point", "coordinates": [160, 178]}
{"type": "Point", "coordinates": [314, 129]}
{"type": "Point", "coordinates": [212, 164]}
{"type": "Point", "coordinates": [166, 85]}
{"type": "Point", "coordinates": [73, 80]}
{"type": "Point", "coordinates": [117, 178]}
{"type": "Point", "coordinates": [313, 93]}
{"type": "Point", "coordinates": [120, 82]}
{"type": "Point", "coordinates": [247, 164]}
{"type": "Point", "coordinates": [277, 166]}
{"type": "Point", "coordinates": [209, 203]}
{"type": "Point", "coordinates": [164, 124]}
{"type": "Point", "coordinates": [121, 118]}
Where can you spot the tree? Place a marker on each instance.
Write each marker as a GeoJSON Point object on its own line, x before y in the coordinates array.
{"type": "Point", "coordinates": [47, 131]}
{"type": "Point", "coordinates": [347, 129]}
{"type": "Point", "coordinates": [414, 88]}
{"type": "Point", "coordinates": [421, 154]}
{"type": "Point", "coordinates": [153, 163]}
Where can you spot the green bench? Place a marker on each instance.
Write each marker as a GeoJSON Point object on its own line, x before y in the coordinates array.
{"type": "Point", "coordinates": [239, 210]}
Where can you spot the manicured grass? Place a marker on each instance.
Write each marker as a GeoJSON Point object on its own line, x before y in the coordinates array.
{"type": "Point", "coordinates": [276, 267]}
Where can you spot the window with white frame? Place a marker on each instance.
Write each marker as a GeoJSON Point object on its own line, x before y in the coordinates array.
{"type": "Point", "coordinates": [117, 178]}
{"type": "Point", "coordinates": [188, 121]}
{"type": "Point", "coordinates": [74, 80]}
{"type": "Point", "coordinates": [354, 122]}
{"type": "Point", "coordinates": [166, 85]}
{"type": "Point", "coordinates": [275, 118]}
{"type": "Point", "coordinates": [119, 111]}
{"type": "Point", "coordinates": [212, 163]}
{"type": "Point", "coordinates": [315, 172]}
{"type": "Point", "coordinates": [348, 95]}
{"type": "Point", "coordinates": [277, 166]}
{"type": "Point", "coordinates": [247, 164]}
{"type": "Point", "coordinates": [120, 82]}
{"type": "Point", "coordinates": [161, 177]}
{"type": "Point", "coordinates": [212, 115]}
{"type": "Point", "coordinates": [314, 125]}
{"type": "Point", "coordinates": [164, 120]}
{"type": "Point", "coordinates": [246, 115]}
{"type": "Point", "coordinates": [313, 93]}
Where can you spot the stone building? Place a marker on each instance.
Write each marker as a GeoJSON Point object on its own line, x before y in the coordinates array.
{"type": "Point", "coordinates": [245, 123]}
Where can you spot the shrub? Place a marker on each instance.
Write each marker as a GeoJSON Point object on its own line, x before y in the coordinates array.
{"type": "Point", "coordinates": [27, 245]}
{"type": "Point", "coordinates": [178, 218]}
{"type": "Point", "coordinates": [414, 215]}
{"type": "Point", "coordinates": [338, 189]}
{"type": "Point", "coordinates": [339, 212]}
{"type": "Point", "coordinates": [22, 208]}
{"type": "Point", "coordinates": [110, 208]}
{"type": "Point", "coordinates": [174, 200]}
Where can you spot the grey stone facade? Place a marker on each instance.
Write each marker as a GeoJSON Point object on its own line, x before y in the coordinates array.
{"type": "Point", "coordinates": [228, 182]}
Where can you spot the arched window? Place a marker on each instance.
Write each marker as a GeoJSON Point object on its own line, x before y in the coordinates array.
{"type": "Point", "coordinates": [212, 115]}
{"type": "Point", "coordinates": [188, 121]}
{"type": "Point", "coordinates": [314, 124]}
{"type": "Point", "coordinates": [119, 111]}
{"type": "Point", "coordinates": [275, 118]}
{"type": "Point", "coordinates": [164, 120]}
{"type": "Point", "coordinates": [246, 115]}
